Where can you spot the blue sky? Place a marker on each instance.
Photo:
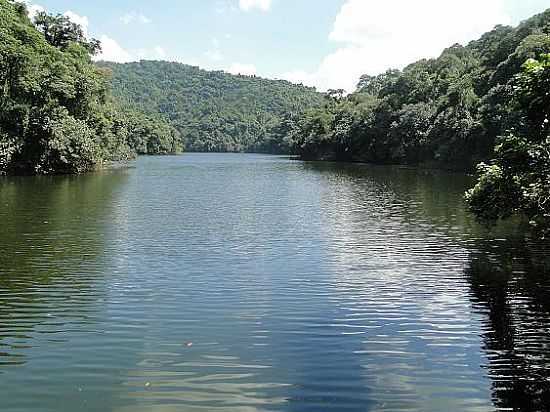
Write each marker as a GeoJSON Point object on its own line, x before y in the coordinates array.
{"type": "Point", "coordinates": [324, 43]}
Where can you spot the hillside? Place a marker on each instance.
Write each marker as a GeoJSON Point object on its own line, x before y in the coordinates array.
{"type": "Point", "coordinates": [446, 111]}
{"type": "Point", "coordinates": [213, 111]}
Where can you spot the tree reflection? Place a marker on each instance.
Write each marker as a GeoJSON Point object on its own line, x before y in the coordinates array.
{"type": "Point", "coordinates": [509, 279]}
{"type": "Point", "coordinates": [511, 285]}
{"type": "Point", "coordinates": [53, 237]}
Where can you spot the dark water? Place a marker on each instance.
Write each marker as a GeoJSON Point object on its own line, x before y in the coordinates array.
{"type": "Point", "coordinates": [302, 287]}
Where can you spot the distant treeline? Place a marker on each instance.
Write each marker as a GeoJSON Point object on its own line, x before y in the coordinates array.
{"type": "Point", "coordinates": [56, 112]}
{"type": "Point", "coordinates": [214, 111]}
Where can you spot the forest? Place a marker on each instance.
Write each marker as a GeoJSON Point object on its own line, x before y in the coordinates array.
{"type": "Point", "coordinates": [446, 111]}
{"type": "Point", "coordinates": [56, 111]}
{"type": "Point", "coordinates": [484, 105]}
{"type": "Point", "coordinates": [214, 111]}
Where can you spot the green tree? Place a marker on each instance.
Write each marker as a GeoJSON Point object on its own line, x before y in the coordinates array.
{"type": "Point", "coordinates": [56, 111]}
{"type": "Point", "coordinates": [60, 32]}
{"type": "Point", "coordinates": [517, 181]}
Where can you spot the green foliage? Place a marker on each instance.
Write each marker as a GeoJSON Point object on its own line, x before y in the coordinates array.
{"type": "Point", "coordinates": [152, 135]}
{"type": "Point", "coordinates": [69, 145]}
{"type": "Point", "coordinates": [56, 114]}
{"type": "Point", "coordinates": [446, 112]}
{"type": "Point", "coordinates": [213, 111]}
{"type": "Point", "coordinates": [61, 32]}
{"type": "Point", "coordinates": [518, 180]}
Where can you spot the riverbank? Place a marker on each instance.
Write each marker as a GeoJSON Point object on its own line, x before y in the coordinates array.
{"type": "Point", "coordinates": [464, 167]}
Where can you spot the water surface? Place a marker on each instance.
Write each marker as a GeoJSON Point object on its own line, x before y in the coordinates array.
{"type": "Point", "coordinates": [258, 283]}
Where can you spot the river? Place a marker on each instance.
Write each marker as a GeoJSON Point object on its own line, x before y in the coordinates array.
{"type": "Point", "coordinates": [227, 282]}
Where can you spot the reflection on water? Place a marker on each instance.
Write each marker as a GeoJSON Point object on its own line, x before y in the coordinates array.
{"type": "Point", "coordinates": [256, 283]}
{"type": "Point", "coordinates": [511, 286]}
{"type": "Point", "coordinates": [52, 242]}
{"type": "Point", "coordinates": [508, 276]}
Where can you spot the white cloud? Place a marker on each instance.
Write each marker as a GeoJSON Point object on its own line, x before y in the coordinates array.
{"type": "Point", "coordinates": [144, 19]}
{"type": "Point", "coordinates": [225, 7]}
{"type": "Point", "coordinates": [160, 52]}
{"type": "Point", "coordinates": [247, 5]}
{"type": "Point", "coordinates": [113, 52]}
{"type": "Point", "coordinates": [244, 69]}
{"type": "Point", "coordinates": [215, 53]}
{"type": "Point", "coordinates": [376, 36]}
{"type": "Point", "coordinates": [33, 9]}
{"type": "Point", "coordinates": [82, 21]}
{"type": "Point", "coordinates": [136, 17]}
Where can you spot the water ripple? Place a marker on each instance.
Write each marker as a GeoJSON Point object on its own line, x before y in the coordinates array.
{"type": "Point", "coordinates": [257, 283]}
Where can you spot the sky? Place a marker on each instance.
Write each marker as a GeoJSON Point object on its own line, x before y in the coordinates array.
{"type": "Point", "coordinates": [327, 44]}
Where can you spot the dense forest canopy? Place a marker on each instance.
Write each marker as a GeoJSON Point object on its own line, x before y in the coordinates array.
{"type": "Point", "coordinates": [56, 113]}
{"type": "Point", "coordinates": [214, 111]}
{"type": "Point", "coordinates": [518, 179]}
{"type": "Point", "coordinates": [446, 111]}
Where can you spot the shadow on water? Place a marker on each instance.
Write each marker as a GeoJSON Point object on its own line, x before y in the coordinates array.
{"type": "Point", "coordinates": [511, 286]}
{"type": "Point", "coordinates": [47, 261]}
{"type": "Point", "coordinates": [508, 274]}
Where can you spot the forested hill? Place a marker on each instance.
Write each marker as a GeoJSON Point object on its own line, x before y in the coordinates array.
{"type": "Point", "coordinates": [446, 111]}
{"type": "Point", "coordinates": [214, 110]}
{"type": "Point", "coordinates": [488, 102]}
